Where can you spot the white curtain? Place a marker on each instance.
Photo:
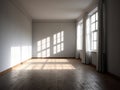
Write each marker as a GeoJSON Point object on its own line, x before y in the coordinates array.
{"type": "Point", "coordinates": [88, 51]}
{"type": "Point", "coordinates": [79, 40]}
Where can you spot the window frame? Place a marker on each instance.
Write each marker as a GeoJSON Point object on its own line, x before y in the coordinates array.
{"type": "Point", "coordinates": [92, 41]}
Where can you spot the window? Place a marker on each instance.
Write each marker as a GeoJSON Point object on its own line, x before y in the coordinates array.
{"type": "Point", "coordinates": [94, 30]}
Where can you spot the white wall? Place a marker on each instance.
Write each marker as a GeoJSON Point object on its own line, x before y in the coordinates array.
{"type": "Point", "coordinates": [15, 35]}
{"type": "Point", "coordinates": [113, 36]}
{"type": "Point", "coordinates": [44, 30]}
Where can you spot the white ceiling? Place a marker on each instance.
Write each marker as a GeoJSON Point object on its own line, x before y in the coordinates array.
{"type": "Point", "coordinates": [55, 9]}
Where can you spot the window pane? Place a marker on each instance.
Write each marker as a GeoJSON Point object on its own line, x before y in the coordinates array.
{"type": "Point", "coordinates": [96, 25]}
{"type": "Point", "coordinates": [93, 27]}
{"type": "Point", "coordinates": [93, 31]}
{"type": "Point", "coordinates": [92, 36]}
{"type": "Point", "coordinates": [93, 18]}
{"type": "Point", "coordinates": [95, 36]}
{"type": "Point", "coordinates": [94, 45]}
{"type": "Point", "coordinates": [96, 15]}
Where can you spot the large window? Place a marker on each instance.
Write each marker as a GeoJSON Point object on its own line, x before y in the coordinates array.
{"type": "Point", "coordinates": [94, 30]}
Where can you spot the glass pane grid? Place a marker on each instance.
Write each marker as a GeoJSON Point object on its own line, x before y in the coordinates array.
{"type": "Point", "coordinates": [94, 30]}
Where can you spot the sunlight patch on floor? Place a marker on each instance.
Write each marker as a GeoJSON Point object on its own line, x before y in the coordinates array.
{"type": "Point", "coordinates": [47, 64]}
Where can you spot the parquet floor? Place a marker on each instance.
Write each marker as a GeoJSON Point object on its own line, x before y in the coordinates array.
{"type": "Point", "coordinates": [57, 74]}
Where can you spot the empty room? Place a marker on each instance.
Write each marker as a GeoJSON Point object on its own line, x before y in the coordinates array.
{"type": "Point", "coordinates": [59, 45]}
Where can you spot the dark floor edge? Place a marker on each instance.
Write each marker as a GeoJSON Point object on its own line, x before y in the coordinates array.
{"type": "Point", "coordinates": [113, 76]}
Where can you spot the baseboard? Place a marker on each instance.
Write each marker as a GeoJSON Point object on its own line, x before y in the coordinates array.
{"type": "Point", "coordinates": [113, 76]}
{"type": "Point", "coordinates": [53, 57]}
{"type": "Point", "coordinates": [13, 67]}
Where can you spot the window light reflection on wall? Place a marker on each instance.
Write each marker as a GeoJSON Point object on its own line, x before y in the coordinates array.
{"type": "Point", "coordinates": [43, 47]}
{"type": "Point", "coordinates": [58, 42]}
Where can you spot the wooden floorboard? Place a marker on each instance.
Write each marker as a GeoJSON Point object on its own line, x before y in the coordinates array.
{"type": "Point", "coordinates": [57, 74]}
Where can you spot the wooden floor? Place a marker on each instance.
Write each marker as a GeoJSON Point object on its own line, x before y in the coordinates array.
{"type": "Point", "coordinates": [57, 74]}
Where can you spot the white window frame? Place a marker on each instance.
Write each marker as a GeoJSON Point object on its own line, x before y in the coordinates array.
{"type": "Point", "coordinates": [92, 41]}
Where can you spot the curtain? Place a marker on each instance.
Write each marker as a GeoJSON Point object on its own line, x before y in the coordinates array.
{"type": "Point", "coordinates": [87, 35]}
{"type": "Point", "coordinates": [80, 41]}
{"type": "Point", "coordinates": [77, 56]}
{"type": "Point", "coordinates": [101, 63]}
